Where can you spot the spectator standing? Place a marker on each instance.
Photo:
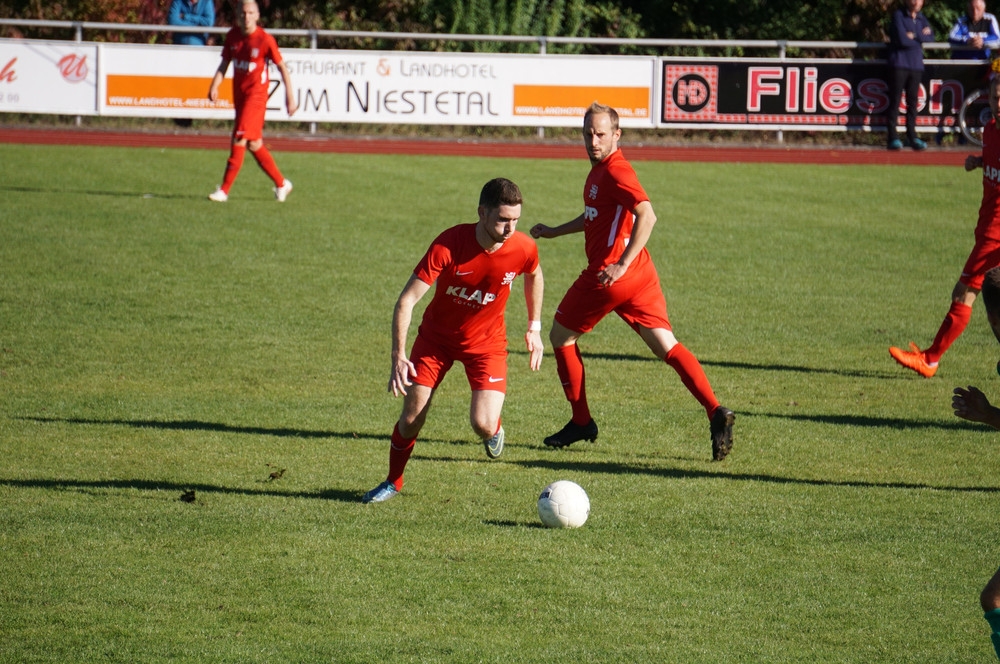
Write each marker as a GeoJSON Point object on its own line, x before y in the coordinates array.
{"type": "Point", "coordinates": [976, 34]}
{"type": "Point", "coordinates": [192, 13]}
{"type": "Point", "coordinates": [909, 29]}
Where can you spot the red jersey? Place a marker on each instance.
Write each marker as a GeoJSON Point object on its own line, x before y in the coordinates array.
{"type": "Point", "coordinates": [989, 210]}
{"type": "Point", "coordinates": [467, 311]}
{"type": "Point", "coordinates": [610, 194]}
{"type": "Point", "coordinates": [249, 55]}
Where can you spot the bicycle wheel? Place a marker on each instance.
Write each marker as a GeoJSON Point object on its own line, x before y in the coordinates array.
{"type": "Point", "coordinates": [974, 115]}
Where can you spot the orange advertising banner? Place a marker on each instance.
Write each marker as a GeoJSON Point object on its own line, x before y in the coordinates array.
{"type": "Point", "coordinates": [573, 100]}
{"type": "Point", "coordinates": [145, 91]}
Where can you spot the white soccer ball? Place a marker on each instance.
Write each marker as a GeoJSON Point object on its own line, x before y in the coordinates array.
{"type": "Point", "coordinates": [563, 504]}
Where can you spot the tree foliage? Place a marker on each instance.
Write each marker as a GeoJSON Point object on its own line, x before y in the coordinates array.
{"type": "Point", "coordinates": [804, 20]}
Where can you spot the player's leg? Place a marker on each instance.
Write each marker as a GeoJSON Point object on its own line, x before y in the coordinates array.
{"type": "Point", "coordinates": [416, 403]}
{"type": "Point", "coordinates": [431, 364]}
{"type": "Point", "coordinates": [989, 599]}
{"type": "Point", "coordinates": [484, 416]}
{"type": "Point", "coordinates": [237, 152]}
{"type": "Point", "coordinates": [925, 362]}
{"type": "Point", "coordinates": [646, 312]}
{"type": "Point", "coordinates": [245, 117]}
{"type": "Point", "coordinates": [486, 372]}
{"type": "Point", "coordinates": [664, 345]}
{"type": "Point", "coordinates": [984, 256]}
{"type": "Point", "coordinates": [583, 306]}
{"type": "Point", "coordinates": [267, 164]}
{"type": "Point", "coordinates": [957, 319]}
{"type": "Point", "coordinates": [569, 367]}
{"type": "Point", "coordinates": [572, 376]}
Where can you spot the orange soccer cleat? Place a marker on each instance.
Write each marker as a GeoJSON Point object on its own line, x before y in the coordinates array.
{"type": "Point", "coordinates": [913, 359]}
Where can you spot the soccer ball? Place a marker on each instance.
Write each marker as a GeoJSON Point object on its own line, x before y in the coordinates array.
{"type": "Point", "coordinates": [563, 504]}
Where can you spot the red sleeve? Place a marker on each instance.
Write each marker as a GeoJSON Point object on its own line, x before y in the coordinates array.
{"type": "Point", "coordinates": [437, 258]}
{"type": "Point", "coordinates": [273, 53]}
{"type": "Point", "coordinates": [628, 191]}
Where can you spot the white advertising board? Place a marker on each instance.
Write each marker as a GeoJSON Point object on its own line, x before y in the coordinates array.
{"type": "Point", "coordinates": [389, 87]}
{"type": "Point", "coordinates": [48, 77]}
{"type": "Point", "coordinates": [146, 80]}
{"type": "Point", "coordinates": [469, 89]}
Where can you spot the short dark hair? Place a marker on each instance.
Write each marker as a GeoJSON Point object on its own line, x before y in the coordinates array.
{"type": "Point", "coordinates": [598, 108]}
{"type": "Point", "coordinates": [991, 292]}
{"type": "Point", "coordinates": [500, 191]}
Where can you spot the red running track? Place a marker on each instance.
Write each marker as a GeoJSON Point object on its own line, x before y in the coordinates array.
{"type": "Point", "coordinates": [732, 153]}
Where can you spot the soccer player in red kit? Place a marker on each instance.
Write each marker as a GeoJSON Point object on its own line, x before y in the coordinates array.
{"type": "Point", "coordinates": [616, 222]}
{"type": "Point", "coordinates": [473, 267]}
{"type": "Point", "coordinates": [249, 48]}
{"type": "Point", "coordinates": [985, 253]}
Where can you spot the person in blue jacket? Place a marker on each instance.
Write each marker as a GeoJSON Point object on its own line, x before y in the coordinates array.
{"type": "Point", "coordinates": [908, 30]}
{"type": "Point", "coordinates": [200, 13]}
{"type": "Point", "coordinates": [975, 34]}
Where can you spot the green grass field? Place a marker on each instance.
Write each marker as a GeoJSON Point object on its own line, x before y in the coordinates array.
{"type": "Point", "coordinates": [153, 343]}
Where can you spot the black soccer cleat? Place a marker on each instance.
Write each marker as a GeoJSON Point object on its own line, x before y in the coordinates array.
{"type": "Point", "coordinates": [722, 433]}
{"type": "Point", "coordinates": [571, 433]}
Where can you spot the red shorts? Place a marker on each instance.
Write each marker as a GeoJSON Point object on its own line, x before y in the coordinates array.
{"type": "Point", "coordinates": [250, 119]}
{"type": "Point", "coordinates": [984, 257]}
{"type": "Point", "coordinates": [637, 300]}
{"type": "Point", "coordinates": [485, 371]}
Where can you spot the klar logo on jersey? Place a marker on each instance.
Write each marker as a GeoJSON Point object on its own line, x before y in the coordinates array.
{"type": "Point", "coordinates": [477, 296]}
{"type": "Point", "coordinates": [593, 192]}
{"type": "Point", "coordinates": [508, 279]}
{"type": "Point", "coordinates": [992, 175]}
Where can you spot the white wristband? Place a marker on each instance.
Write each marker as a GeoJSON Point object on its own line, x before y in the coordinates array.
{"type": "Point", "coordinates": [534, 326]}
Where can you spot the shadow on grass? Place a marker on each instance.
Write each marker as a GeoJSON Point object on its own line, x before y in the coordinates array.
{"type": "Point", "coordinates": [688, 474]}
{"type": "Point", "coordinates": [876, 422]}
{"type": "Point", "coordinates": [788, 368]}
{"type": "Point", "coordinates": [340, 495]}
{"type": "Point", "coordinates": [549, 464]}
{"type": "Point", "coordinates": [612, 468]}
{"type": "Point", "coordinates": [513, 524]}
{"type": "Point", "coordinates": [197, 425]}
{"type": "Point", "coordinates": [92, 192]}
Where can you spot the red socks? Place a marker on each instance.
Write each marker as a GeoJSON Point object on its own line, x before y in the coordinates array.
{"type": "Point", "coordinates": [233, 165]}
{"type": "Point", "coordinates": [569, 366]}
{"type": "Point", "coordinates": [951, 328]}
{"type": "Point", "coordinates": [693, 376]}
{"type": "Point", "coordinates": [399, 454]}
{"type": "Point", "coordinates": [266, 162]}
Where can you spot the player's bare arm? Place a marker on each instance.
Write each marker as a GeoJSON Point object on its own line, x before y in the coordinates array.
{"type": "Point", "coordinates": [971, 404]}
{"type": "Point", "coordinates": [541, 230]}
{"type": "Point", "coordinates": [533, 290]}
{"type": "Point", "coordinates": [973, 161]}
{"type": "Point", "coordinates": [645, 219]}
{"type": "Point", "coordinates": [286, 79]}
{"type": "Point", "coordinates": [220, 73]}
{"type": "Point", "coordinates": [402, 369]}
